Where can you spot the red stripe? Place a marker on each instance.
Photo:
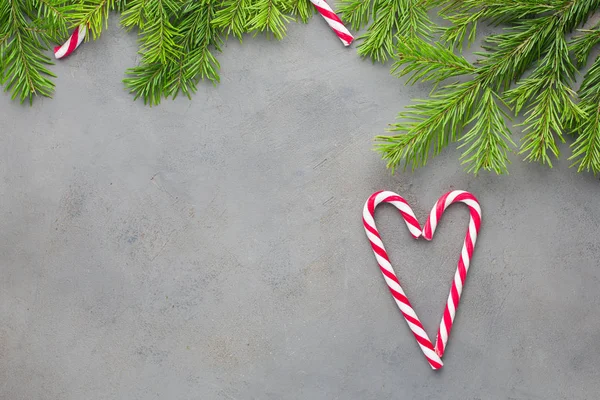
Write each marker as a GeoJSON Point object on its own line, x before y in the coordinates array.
{"type": "Point", "coordinates": [395, 279]}
{"type": "Point", "coordinates": [439, 346]}
{"type": "Point", "coordinates": [433, 363]}
{"type": "Point", "coordinates": [371, 203]}
{"type": "Point", "coordinates": [462, 271]}
{"type": "Point", "coordinates": [371, 229]}
{"type": "Point", "coordinates": [395, 198]}
{"type": "Point", "coordinates": [379, 251]}
{"type": "Point", "coordinates": [447, 321]}
{"type": "Point", "coordinates": [407, 217]}
{"type": "Point", "coordinates": [476, 219]}
{"type": "Point", "coordinates": [331, 15]}
{"type": "Point", "coordinates": [440, 207]}
{"type": "Point", "coordinates": [427, 231]}
{"type": "Point", "coordinates": [344, 36]}
{"type": "Point", "coordinates": [413, 320]}
{"type": "Point", "coordinates": [411, 220]}
{"type": "Point", "coordinates": [424, 342]}
{"type": "Point", "coordinates": [328, 14]}
{"type": "Point", "coordinates": [455, 297]}
{"type": "Point", "coordinates": [469, 245]}
{"type": "Point", "coordinates": [73, 43]}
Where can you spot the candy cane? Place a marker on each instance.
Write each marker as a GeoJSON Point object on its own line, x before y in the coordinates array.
{"type": "Point", "coordinates": [463, 262]}
{"type": "Point", "coordinates": [432, 354]}
{"type": "Point", "coordinates": [333, 21]}
{"type": "Point", "coordinates": [72, 43]}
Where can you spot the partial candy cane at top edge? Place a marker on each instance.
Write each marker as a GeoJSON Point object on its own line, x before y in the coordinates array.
{"type": "Point", "coordinates": [433, 354]}
{"type": "Point", "coordinates": [334, 22]}
{"type": "Point", "coordinates": [72, 42]}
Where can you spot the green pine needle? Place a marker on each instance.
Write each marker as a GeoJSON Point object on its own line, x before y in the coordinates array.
{"type": "Point", "coordinates": [392, 20]}
{"type": "Point", "coordinates": [23, 64]}
{"type": "Point", "coordinates": [534, 38]}
{"type": "Point", "coordinates": [489, 138]}
{"type": "Point", "coordinates": [429, 125]}
{"type": "Point", "coordinates": [428, 62]}
{"type": "Point", "coordinates": [586, 149]}
{"type": "Point", "coordinates": [582, 44]}
{"type": "Point", "coordinates": [269, 16]}
{"type": "Point", "coordinates": [179, 39]}
{"type": "Point", "coordinates": [232, 17]}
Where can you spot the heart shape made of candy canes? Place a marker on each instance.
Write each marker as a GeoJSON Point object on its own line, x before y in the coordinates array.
{"type": "Point", "coordinates": [432, 353]}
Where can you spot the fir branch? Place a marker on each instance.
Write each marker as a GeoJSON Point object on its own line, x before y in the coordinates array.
{"type": "Point", "coordinates": [158, 41]}
{"type": "Point", "coordinates": [23, 64]}
{"type": "Point", "coordinates": [547, 90]}
{"type": "Point", "coordinates": [428, 62]}
{"type": "Point", "coordinates": [49, 19]}
{"type": "Point", "coordinates": [147, 81]}
{"type": "Point", "coordinates": [392, 19]}
{"type": "Point", "coordinates": [268, 15]}
{"type": "Point", "coordinates": [232, 17]}
{"type": "Point", "coordinates": [187, 58]}
{"type": "Point", "coordinates": [301, 8]}
{"type": "Point", "coordinates": [134, 15]}
{"type": "Point", "coordinates": [91, 13]}
{"type": "Point", "coordinates": [582, 44]}
{"type": "Point", "coordinates": [586, 149]}
{"type": "Point", "coordinates": [509, 54]}
{"type": "Point", "coordinates": [431, 123]}
{"type": "Point", "coordinates": [489, 138]}
{"type": "Point", "coordinates": [197, 62]}
{"type": "Point", "coordinates": [575, 13]}
{"type": "Point", "coordinates": [356, 12]}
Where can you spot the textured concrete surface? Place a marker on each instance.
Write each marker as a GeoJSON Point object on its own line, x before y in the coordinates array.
{"type": "Point", "coordinates": [213, 249]}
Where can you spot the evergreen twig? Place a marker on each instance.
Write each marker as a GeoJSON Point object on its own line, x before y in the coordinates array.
{"type": "Point", "coordinates": [535, 36]}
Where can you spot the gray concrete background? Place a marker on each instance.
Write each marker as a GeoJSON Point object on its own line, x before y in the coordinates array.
{"type": "Point", "coordinates": [213, 249]}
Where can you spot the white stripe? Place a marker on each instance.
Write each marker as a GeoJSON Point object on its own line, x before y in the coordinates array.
{"type": "Point", "coordinates": [458, 283]}
{"type": "Point", "coordinates": [63, 49]}
{"type": "Point", "coordinates": [382, 196]}
{"type": "Point", "coordinates": [374, 239]}
{"type": "Point", "coordinates": [431, 354]}
{"type": "Point", "coordinates": [403, 207]}
{"type": "Point", "coordinates": [383, 263]}
{"type": "Point", "coordinates": [443, 333]}
{"type": "Point", "coordinates": [416, 232]}
{"type": "Point", "coordinates": [465, 257]}
{"type": "Point", "coordinates": [417, 330]}
{"type": "Point", "coordinates": [451, 307]}
{"type": "Point", "coordinates": [473, 231]}
{"type": "Point", "coordinates": [473, 204]}
{"type": "Point", "coordinates": [407, 310]}
{"type": "Point", "coordinates": [452, 197]}
{"type": "Point", "coordinates": [433, 220]}
{"type": "Point", "coordinates": [336, 26]}
{"type": "Point", "coordinates": [393, 285]}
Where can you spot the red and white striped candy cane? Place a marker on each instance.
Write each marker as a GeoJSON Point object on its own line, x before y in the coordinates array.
{"type": "Point", "coordinates": [72, 43]}
{"type": "Point", "coordinates": [456, 196]}
{"type": "Point", "coordinates": [433, 354]}
{"type": "Point", "coordinates": [388, 272]}
{"type": "Point", "coordinates": [333, 21]}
